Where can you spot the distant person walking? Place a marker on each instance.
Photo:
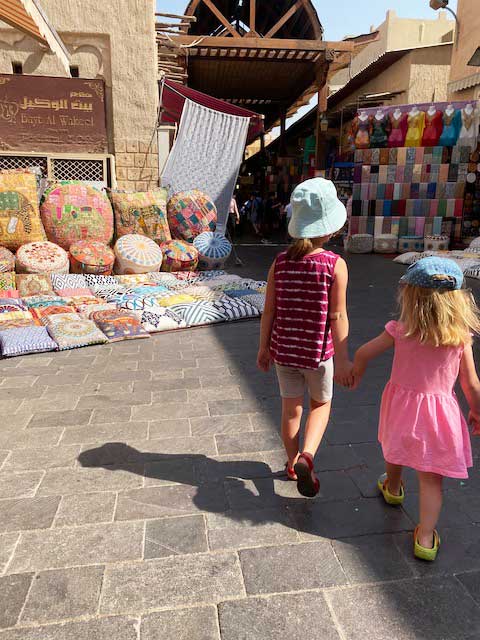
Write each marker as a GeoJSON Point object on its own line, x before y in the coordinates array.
{"type": "Point", "coordinates": [233, 219]}
{"type": "Point", "coordinates": [421, 423]}
{"type": "Point", "coordinates": [304, 322]}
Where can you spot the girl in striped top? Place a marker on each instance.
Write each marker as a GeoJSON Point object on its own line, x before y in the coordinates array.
{"type": "Point", "coordinates": [305, 323]}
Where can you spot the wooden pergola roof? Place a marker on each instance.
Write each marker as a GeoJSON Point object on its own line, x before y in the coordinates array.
{"type": "Point", "coordinates": [261, 54]}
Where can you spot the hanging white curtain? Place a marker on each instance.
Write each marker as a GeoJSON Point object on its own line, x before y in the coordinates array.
{"type": "Point", "coordinates": [207, 155]}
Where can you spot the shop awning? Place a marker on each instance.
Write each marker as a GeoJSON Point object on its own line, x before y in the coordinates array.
{"type": "Point", "coordinates": [28, 16]}
{"type": "Point", "coordinates": [174, 94]}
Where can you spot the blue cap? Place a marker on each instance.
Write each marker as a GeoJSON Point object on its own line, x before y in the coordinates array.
{"type": "Point", "coordinates": [434, 273]}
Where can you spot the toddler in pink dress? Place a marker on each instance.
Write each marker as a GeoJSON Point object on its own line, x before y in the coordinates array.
{"type": "Point", "coordinates": [421, 424]}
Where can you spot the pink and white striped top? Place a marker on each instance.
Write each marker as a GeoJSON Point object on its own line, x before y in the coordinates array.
{"type": "Point", "coordinates": [301, 336]}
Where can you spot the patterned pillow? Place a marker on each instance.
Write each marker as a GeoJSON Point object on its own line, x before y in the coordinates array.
{"type": "Point", "coordinates": [9, 293]}
{"type": "Point", "coordinates": [198, 313]}
{"type": "Point", "coordinates": [74, 293]}
{"type": "Point", "coordinates": [23, 340]}
{"type": "Point", "coordinates": [201, 293]}
{"type": "Point", "coordinates": [70, 330]}
{"type": "Point", "coordinates": [86, 310]}
{"type": "Point", "coordinates": [7, 260]}
{"type": "Point", "coordinates": [208, 275]}
{"type": "Point", "coordinates": [213, 250]}
{"type": "Point", "coordinates": [238, 293]}
{"type": "Point", "coordinates": [257, 300]}
{"type": "Point", "coordinates": [223, 281]}
{"type": "Point", "coordinates": [74, 211]}
{"type": "Point", "coordinates": [143, 213]}
{"type": "Point", "coordinates": [119, 325]}
{"type": "Point", "coordinates": [157, 320]}
{"type": "Point", "coordinates": [110, 293]}
{"type": "Point", "coordinates": [40, 314]}
{"type": "Point", "coordinates": [100, 281]}
{"type": "Point", "coordinates": [91, 256]}
{"type": "Point", "coordinates": [19, 210]}
{"type": "Point", "coordinates": [33, 284]}
{"type": "Point", "coordinates": [16, 319]}
{"type": "Point", "coordinates": [148, 290]}
{"type": "Point", "coordinates": [190, 213]}
{"type": "Point", "coordinates": [189, 277]}
{"type": "Point", "coordinates": [165, 279]}
{"type": "Point", "coordinates": [135, 253]}
{"type": "Point", "coordinates": [473, 272]}
{"type": "Point", "coordinates": [68, 281]}
{"type": "Point", "coordinates": [235, 309]}
{"type": "Point", "coordinates": [45, 300]}
{"type": "Point", "coordinates": [179, 256]}
{"type": "Point", "coordinates": [136, 303]}
{"type": "Point", "coordinates": [77, 301]}
{"type": "Point", "coordinates": [169, 301]}
{"type": "Point", "coordinates": [9, 305]}
{"type": "Point", "coordinates": [42, 257]}
{"type": "Point", "coordinates": [407, 258]}
{"type": "Point", "coordinates": [7, 281]}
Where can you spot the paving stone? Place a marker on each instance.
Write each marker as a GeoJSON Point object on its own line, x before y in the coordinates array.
{"type": "Point", "coordinates": [22, 514]}
{"type": "Point", "coordinates": [293, 567]}
{"type": "Point", "coordinates": [169, 429]}
{"type": "Point", "coordinates": [222, 377]}
{"type": "Point", "coordinates": [42, 458]}
{"type": "Point", "coordinates": [170, 411]}
{"type": "Point", "coordinates": [175, 381]}
{"type": "Point", "coordinates": [113, 414]}
{"type": "Point", "coordinates": [46, 404]}
{"type": "Point", "coordinates": [19, 485]}
{"type": "Point", "coordinates": [247, 442]}
{"type": "Point", "coordinates": [41, 360]}
{"type": "Point", "coordinates": [276, 617]}
{"type": "Point", "coordinates": [437, 607]}
{"type": "Point", "coordinates": [42, 419]}
{"type": "Point", "coordinates": [119, 376]}
{"type": "Point", "coordinates": [211, 395]}
{"type": "Point", "coordinates": [19, 420]}
{"type": "Point", "coordinates": [56, 380]}
{"type": "Point", "coordinates": [14, 590]}
{"type": "Point", "coordinates": [175, 536]}
{"type": "Point", "coordinates": [198, 623]}
{"type": "Point", "coordinates": [73, 546]}
{"type": "Point", "coordinates": [3, 456]}
{"type": "Point", "coordinates": [15, 381]}
{"type": "Point", "coordinates": [74, 481]}
{"type": "Point", "coordinates": [470, 505]}
{"type": "Point", "coordinates": [28, 439]}
{"type": "Point", "coordinates": [119, 628]}
{"type": "Point", "coordinates": [347, 426]}
{"type": "Point", "coordinates": [20, 392]}
{"type": "Point", "coordinates": [112, 401]}
{"type": "Point", "coordinates": [63, 593]}
{"type": "Point", "coordinates": [220, 468]}
{"type": "Point", "coordinates": [233, 407]}
{"type": "Point", "coordinates": [169, 470]}
{"type": "Point", "coordinates": [471, 582]}
{"type": "Point", "coordinates": [8, 542]}
{"type": "Point", "coordinates": [328, 458]}
{"type": "Point", "coordinates": [158, 502]}
{"type": "Point", "coordinates": [171, 582]}
{"type": "Point", "coordinates": [110, 387]}
{"type": "Point", "coordinates": [100, 433]}
{"type": "Point", "coordinates": [87, 508]}
{"type": "Point", "coordinates": [10, 405]}
{"type": "Point", "coordinates": [169, 396]}
{"type": "Point", "coordinates": [452, 514]}
{"type": "Point", "coordinates": [220, 425]}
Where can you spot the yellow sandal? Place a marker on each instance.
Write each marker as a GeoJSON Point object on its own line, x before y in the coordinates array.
{"type": "Point", "coordinates": [389, 498]}
{"type": "Point", "coordinates": [425, 553]}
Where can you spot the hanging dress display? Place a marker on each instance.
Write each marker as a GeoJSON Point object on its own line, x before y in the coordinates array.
{"type": "Point", "coordinates": [416, 125]}
{"type": "Point", "coordinates": [451, 129]}
{"type": "Point", "coordinates": [380, 130]}
{"type": "Point", "coordinates": [361, 130]}
{"type": "Point", "coordinates": [398, 130]}
{"type": "Point", "coordinates": [469, 132]}
{"type": "Point", "coordinates": [433, 129]}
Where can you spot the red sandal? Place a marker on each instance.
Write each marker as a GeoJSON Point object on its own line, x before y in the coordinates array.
{"type": "Point", "coordinates": [290, 472]}
{"type": "Point", "coordinates": [308, 484]}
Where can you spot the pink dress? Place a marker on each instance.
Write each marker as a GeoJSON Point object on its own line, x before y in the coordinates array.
{"type": "Point", "coordinates": [421, 424]}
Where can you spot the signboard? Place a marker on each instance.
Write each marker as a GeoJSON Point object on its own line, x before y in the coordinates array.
{"type": "Point", "coordinates": [39, 113]}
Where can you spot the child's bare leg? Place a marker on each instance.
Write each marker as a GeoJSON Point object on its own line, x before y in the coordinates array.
{"type": "Point", "coordinates": [394, 475]}
{"type": "Point", "coordinates": [316, 425]}
{"type": "Point", "coordinates": [430, 506]}
{"type": "Point", "coordinates": [292, 409]}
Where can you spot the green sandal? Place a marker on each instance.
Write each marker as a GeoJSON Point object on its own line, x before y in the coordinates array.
{"type": "Point", "coordinates": [389, 498]}
{"type": "Point", "coordinates": [424, 553]}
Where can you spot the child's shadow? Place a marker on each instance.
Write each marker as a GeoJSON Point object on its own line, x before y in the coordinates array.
{"type": "Point", "coordinates": [219, 486]}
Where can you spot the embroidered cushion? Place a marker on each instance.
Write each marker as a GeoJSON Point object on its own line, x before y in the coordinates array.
{"type": "Point", "coordinates": [74, 211]}
{"type": "Point", "coordinates": [385, 243]}
{"type": "Point", "coordinates": [169, 301]}
{"type": "Point", "coordinates": [179, 256]}
{"type": "Point", "coordinates": [8, 305]}
{"type": "Point", "coordinates": [119, 325]}
{"type": "Point", "coordinates": [86, 310]}
{"type": "Point", "coordinates": [199, 313]}
{"type": "Point", "coordinates": [17, 342]}
{"type": "Point", "coordinates": [359, 243]}
{"type": "Point", "coordinates": [143, 213]}
{"type": "Point", "coordinates": [40, 314]}
{"type": "Point", "coordinates": [33, 284]}
{"type": "Point", "coordinates": [221, 282]}
{"type": "Point", "coordinates": [407, 258]}
{"type": "Point", "coordinates": [9, 293]}
{"type": "Point", "coordinates": [42, 257]}
{"type": "Point", "coordinates": [160, 319]}
{"type": "Point", "coordinates": [74, 293]}
{"type": "Point", "coordinates": [68, 281]}
{"type": "Point", "coordinates": [100, 281]}
{"type": "Point", "coordinates": [19, 216]}
{"type": "Point", "coordinates": [71, 330]}
{"type": "Point", "coordinates": [7, 281]}
{"type": "Point", "coordinates": [257, 300]}
{"type": "Point", "coordinates": [213, 250]}
{"type": "Point", "coordinates": [7, 260]}
{"type": "Point", "coordinates": [16, 319]}
{"type": "Point", "coordinates": [235, 309]}
{"type": "Point", "coordinates": [190, 213]}
{"type": "Point", "coordinates": [137, 254]}
{"type": "Point", "coordinates": [137, 279]}
{"type": "Point", "coordinates": [91, 256]}
{"type": "Point", "coordinates": [136, 303]}
{"type": "Point", "coordinates": [44, 300]}
{"type": "Point", "coordinates": [436, 243]}
{"type": "Point", "coordinates": [83, 300]}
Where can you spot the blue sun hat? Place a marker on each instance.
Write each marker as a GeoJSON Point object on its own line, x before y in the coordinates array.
{"type": "Point", "coordinates": [434, 273]}
{"type": "Point", "coordinates": [316, 210]}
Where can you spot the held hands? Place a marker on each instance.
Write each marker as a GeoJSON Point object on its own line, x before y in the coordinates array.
{"type": "Point", "coordinates": [264, 360]}
{"type": "Point", "coordinates": [343, 373]}
{"type": "Point", "coordinates": [474, 421]}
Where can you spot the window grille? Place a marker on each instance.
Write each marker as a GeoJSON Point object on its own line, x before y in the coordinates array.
{"type": "Point", "coordinates": [77, 169]}
{"type": "Point", "coordinates": [24, 162]}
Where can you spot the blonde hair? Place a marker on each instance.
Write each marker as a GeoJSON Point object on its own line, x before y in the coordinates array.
{"type": "Point", "coordinates": [438, 317]}
{"type": "Point", "coordinates": [303, 246]}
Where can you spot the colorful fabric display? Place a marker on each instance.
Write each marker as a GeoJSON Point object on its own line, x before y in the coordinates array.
{"type": "Point", "coordinates": [90, 256]}
{"type": "Point", "coordinates": [44, 300]}
{"type": "Point", "coordinates": [179, 255]}
{"type": "Point", "coordinates": [71, 330]}
{"type": "Point", "coordinates": [141, 213]}
{"type": "Point", "coordinates": [16, 319]}
{"type": "Point", "coordinates": [451, 128]}
{"type": "Point", "coordinates": [74, 293]}
{"type": "Point", "coordinates": [235, 309]}
{"type": "Point", "coordinates": [398, 131]}
{"type": "Point", "coordinates": [23, 340]}
{"type": "Point", "coordinates": [86, 310]}
{"type": "Point", "coordinates": [406, 244]}
{"type": "Point", "coordinates": [136, 303]}
{"type": "Point", "coordinates": [19, 216]}
{"type": "Point", "coordinates": [191, 213]}
{"type": "Point", "coordinates": [433, 128]}
{"type": "Point", "coordinates": [119, 325]}
{"type": "Point", "coordinates": [10, 305]}
{"type": "Point", "coordinates": [7, 260]}
{"type": "Point", "coordinates": [171, 300]}
{"type": "Point", "coordinates": [213, 250]}
{"type": "Point", "coordinates": [33, 284]}
{"type": "Point", "coordinates": [42, 257]}
{"type": "Point", "coordinates": [41, 314]}
{"type": "Point", "coordinates": [73, 211]}
{"type": "Point", "coordinates": [137, 254]}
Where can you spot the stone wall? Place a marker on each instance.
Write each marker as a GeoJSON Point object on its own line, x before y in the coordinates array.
{"type": "Point", "coordinates": [469, 39]}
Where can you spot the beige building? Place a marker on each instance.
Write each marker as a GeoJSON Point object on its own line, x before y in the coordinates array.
{"type": "Point", "coordinates": [115, 42]}
{"type": "Point", "coordinates": [465, 79]}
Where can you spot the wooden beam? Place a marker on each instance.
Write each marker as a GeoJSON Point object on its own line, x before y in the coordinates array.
{"type": "Point", "coordinates": [312, 14]}
{"type": "Point", "coordinates": [253, 14]}
{"type": "Point", "coordinates": [285, 18]}
{"type": "Point", "coordinates": [222, 19]}
{"type": "Point", "coordinates": [262, 43]}
{"type": "Point", "coordinates": [174, 16]}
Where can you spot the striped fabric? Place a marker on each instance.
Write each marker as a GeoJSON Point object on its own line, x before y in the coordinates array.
{"type": "Point", "coordinates": [301, 335]}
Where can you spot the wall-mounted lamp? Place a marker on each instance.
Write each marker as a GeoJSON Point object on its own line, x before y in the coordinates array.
{"type": "Point", "coordinates": [324, 124]}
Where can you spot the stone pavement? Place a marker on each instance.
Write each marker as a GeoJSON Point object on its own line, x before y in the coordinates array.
{"type": "Point", "coordinates": [142, 496]}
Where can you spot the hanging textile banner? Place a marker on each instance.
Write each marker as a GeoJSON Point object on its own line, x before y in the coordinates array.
{"type": "Point", "coordinates": [207, 155]}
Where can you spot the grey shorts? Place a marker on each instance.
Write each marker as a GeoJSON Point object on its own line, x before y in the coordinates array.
{"type": "Point", "coordinates": [318, 382]}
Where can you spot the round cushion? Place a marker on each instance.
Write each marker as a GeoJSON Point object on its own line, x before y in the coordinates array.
{"type": "Point", "coordinates": [7, 260]}
{"type": "Point", "coordinates": [359, 243]}
{"type": "Point", "coordinates": [213, 250]}
{"type": "Point", "coordinates": [90, 256]}
{"type": "Point", "coordinates": [190, 213]}
{"type": "Point", "coordinates": [179, 256]}
{"type": "Point", "coordinates": [436, 243]}
{"type": "Point", "coordinates": [74, 211]}
{"type": "Point", "coordinates": [42, 257]}
{"type": "Point", "coordinates": [406, 244]}
{"type": "Point", "coordinates": [137, 254]}
{"type": "Point", "coordinates": [385, 243]}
